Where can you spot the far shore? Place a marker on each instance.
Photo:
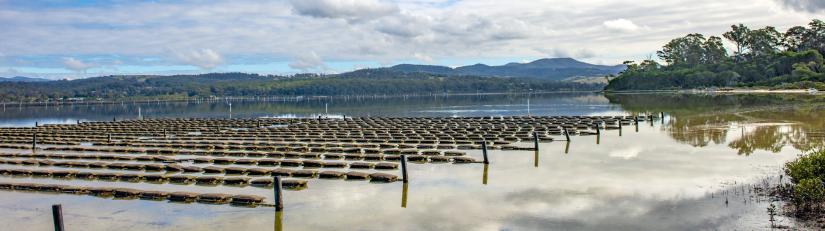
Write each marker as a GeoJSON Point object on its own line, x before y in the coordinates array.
{"type": "Point", "coordinates": [291, 98]}
{"type": "Point", "coordinates": [726, 90]}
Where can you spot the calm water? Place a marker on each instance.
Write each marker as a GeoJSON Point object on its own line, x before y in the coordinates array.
{"type": "Point", "coordinates": [686, 172]}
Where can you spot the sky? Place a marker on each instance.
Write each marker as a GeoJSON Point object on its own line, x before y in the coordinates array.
{"type": "Point", "coordinates": [59, 39]}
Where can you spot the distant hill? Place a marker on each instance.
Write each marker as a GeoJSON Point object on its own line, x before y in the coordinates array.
{"type": "Point", "coordinates": [23, 79]}
{"type": "Point", "coordinates": [551, 69]}
{"type": "Point", "coordinates": [362, 82]}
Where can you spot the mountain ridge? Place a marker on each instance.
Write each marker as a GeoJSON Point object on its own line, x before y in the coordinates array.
{"type": "Point", "coordinates": [22, 79]}
{"type": "Point", "coordinates": [546, 68]}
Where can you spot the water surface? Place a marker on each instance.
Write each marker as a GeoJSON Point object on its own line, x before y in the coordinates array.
{"type": "Point", "coordinates": [686, 172]}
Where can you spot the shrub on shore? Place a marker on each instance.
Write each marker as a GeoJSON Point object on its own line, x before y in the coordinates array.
{"type": "Point", "coordinates": [809, 194]}
{"type": "Point", "coordinates": [807, 173]}
{"type": "Point", "coordinates": [807, 167]}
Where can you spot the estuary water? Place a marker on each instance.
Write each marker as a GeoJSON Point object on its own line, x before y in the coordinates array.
{"type": "Point", "coordinates": [692, 170]}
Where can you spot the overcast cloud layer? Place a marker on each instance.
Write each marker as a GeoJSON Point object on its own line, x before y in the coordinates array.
{"type": "Point", "coordinates": [66, 39]}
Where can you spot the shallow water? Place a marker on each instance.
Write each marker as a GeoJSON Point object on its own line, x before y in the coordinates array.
{"type": "Point", "coordinates": [686, 172]}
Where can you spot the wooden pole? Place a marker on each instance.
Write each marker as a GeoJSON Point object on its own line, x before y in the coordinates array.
{"type": "Point", "coordinates": [484, 151]}
{"type": "Point", "coordinates": [566, 134]}
{"type": "Point", "coordinates": [404, 176]}
{"type": "Point", "coordinates": [404, 195]}
{"type": "Point", "coordinates": [57, 215]}
{"type": "Point", "coordinates": [279, 198]}
{"type": "Point", "coordinates": [620, 128]}
{"type": "Point", "coordinates": [536, 141]}
{"type": "Point", "coordinates": [662, 117]}
{"type": "Point", "coordinates": [484, 177]}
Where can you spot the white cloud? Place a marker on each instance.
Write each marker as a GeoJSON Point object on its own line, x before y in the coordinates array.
{"type": "Point", "coordinates": [404, 25]}
{"type": "Point", "coordinates": [622, 25]}
{"type": "Point", "coordinates": [423, 57]}
{"type": "Point", "coordinates": [367, 31]}
{"type": "Point", "coordinates": [812, 6]}
{"type": "Point", "coordinates": [308, 62]}
{"type": "Point", "coordinates": [10, 72]}
{"type": "Point", "coordinates": [346, 9]}
{"type": "Point", "coordinates": [77, 65]}
{"type": "Point", "coordinates": [558, 52]}
{"type": "Point", "coordinates": [203, 58]}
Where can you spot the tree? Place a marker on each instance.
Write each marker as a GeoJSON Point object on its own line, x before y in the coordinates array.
{"type": "Point", "coordinates": [687, 51]}
{"type": "Point", "coordinates": [739, 36]}
{"type": "Point", "coordinates": [714, 51]}
{"type": "Point", "coordinates": [778, 60]}
{"type": "Point", "coordinates": [649, 65]}
{"type": "Point", "coordinates": [631, 66]}
{"type": "Point", "coordinates": [764, 42]}
{"type": "Point", "coordinates": [794, 38]}
{"type": "Point", "coordinates": [815, 38]}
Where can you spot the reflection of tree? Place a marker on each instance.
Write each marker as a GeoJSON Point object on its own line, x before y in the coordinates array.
{"type": "Point", "coordinates": [697, 131]}
{"type": "Point", "coordinates": [769, 138]}
{"type": "Point", "coordinates": [807, 139]}
{"type": "Point", "coordinates": [773, 137]}
{"type": "Point", "coordinates": [698, 120]}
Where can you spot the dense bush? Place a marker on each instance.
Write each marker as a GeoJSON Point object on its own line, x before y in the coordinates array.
{"type": "Point", "coordinates": [807, 173]}
{"type": "Point", "coordinates": [809, 194]}
{"type": "Point", "coordinates": [810, 166]}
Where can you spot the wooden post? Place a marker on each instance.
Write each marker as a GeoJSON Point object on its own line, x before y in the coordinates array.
{"type": "Point", "coordinates": [620, 128]}
{"type": "Point", "coordinates": [279, 198]}
{"type": "Point", "coordinates": [662, 117]}
{"type": "Point", "coordinates": [404, 195]}
{"type": "Point", "coordinates": [57, 215]}
{"type": "Point", "coordinates": [566, 134]}
{"type": "Point", "coordinates": [484, 151]}
{"type": "Point", "coordinates": [566, 147]}
{"type": "Point", "coordinates": [404, 176]}
{"type": "Point", "coordinates": [484, 177]}
{"type": "Point", "coordinates": [598, 130]}
{"type": "Point", "coordinates": [536, 141]}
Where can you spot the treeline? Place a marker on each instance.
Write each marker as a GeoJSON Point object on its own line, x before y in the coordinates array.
{"type": "Point", "coordinates": [763, 58]}
{"type": "Point", "coordinates": [363, 82]}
